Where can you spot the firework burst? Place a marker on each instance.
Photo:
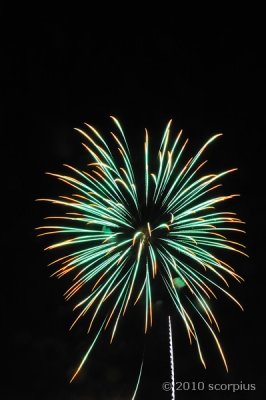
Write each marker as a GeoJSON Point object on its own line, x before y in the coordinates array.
{"type": "Point", "coordinates": [118, 239]}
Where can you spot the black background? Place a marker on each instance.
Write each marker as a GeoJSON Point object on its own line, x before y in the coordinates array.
{"type": "Point", "coordinates": [61, 70]}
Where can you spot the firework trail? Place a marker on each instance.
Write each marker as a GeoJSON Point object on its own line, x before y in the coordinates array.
{"type": "Point", "coordinates": [118, 238]}
{"type": "Point", "coordinates": [171, 352]}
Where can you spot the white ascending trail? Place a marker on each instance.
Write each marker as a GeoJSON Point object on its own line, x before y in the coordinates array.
{"type": "Point", "coordinates": [172, 368]}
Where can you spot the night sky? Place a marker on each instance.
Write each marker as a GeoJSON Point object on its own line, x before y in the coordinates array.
{"type": "Point", "coordinates": [61, 71]}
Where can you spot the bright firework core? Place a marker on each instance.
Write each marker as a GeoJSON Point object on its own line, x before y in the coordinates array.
{"type": "Point", "coordinates": [146, 233]}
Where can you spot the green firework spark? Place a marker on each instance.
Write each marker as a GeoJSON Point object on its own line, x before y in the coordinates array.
{"type": "Point", "coordinates": [118, 240]}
